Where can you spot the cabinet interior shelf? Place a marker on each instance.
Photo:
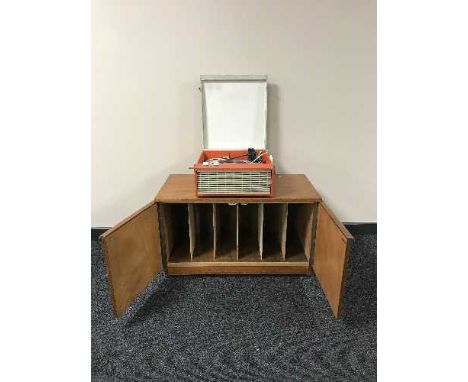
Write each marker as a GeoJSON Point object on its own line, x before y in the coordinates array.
{"type": "Point", "coordinates": [211, 235]}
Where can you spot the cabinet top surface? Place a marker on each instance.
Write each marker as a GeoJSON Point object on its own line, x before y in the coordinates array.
{"type": "Point", "coordinates": [180, 188]}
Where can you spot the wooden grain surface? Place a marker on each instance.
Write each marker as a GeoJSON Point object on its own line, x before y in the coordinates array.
{"type": "Point", "coordinates": [180, 188]}
{"type": "Point", "coordinates": [133, 256]}
{"type": "Point", "coordinates": [332, 244]}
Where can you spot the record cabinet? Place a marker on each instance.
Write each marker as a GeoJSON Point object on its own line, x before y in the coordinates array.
{"type": "Point", "coordinates": [291, 233]}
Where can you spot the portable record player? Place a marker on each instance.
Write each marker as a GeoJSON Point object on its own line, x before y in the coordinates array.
{"type": "Point", "coordinates": [235, 160]}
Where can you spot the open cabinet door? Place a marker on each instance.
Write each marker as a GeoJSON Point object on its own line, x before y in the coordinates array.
{"type": "Point", "coordinates": [332, 244]}
{"type": "Point", "coordinates": [133, 255]}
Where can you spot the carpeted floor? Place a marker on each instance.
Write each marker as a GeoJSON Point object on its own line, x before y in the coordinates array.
{"type": "Point", "coordinates": [240, 328]}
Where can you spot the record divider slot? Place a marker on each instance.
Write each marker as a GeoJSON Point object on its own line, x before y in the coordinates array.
{"type": "Point", "coordinates": [201, 230]}
{"type": "Point", "coordinates": [249, 232]}
{"type": "Point", "coordinates": [225, 232]}
{"type": "Point", "coordinates": [299, 231]}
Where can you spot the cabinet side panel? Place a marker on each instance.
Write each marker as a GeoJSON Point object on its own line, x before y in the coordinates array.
{"type": "Point", "coordinates": [133, 256]}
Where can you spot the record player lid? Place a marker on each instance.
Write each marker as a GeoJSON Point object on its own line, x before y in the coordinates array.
{"type": "Point", "coordinates": [234, 111]}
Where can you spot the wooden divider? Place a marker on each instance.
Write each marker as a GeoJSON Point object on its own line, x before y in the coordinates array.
{"type": "Point", "coordinates": [260, 229]}
{"type": "Point", "coordinates": [192, 229]}
{"type": "Point", "coordinates": [216, 227]}
{"type": "Point", "coordinates": [237, 232]}
{"type": "Point", "coordinates": [283, 228]}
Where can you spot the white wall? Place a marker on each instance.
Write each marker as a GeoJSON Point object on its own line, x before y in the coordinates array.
{"type": "Point", "coordinates": [319, 55]}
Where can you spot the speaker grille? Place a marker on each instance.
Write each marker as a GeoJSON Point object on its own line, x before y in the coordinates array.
{"type": "Point", "coordinates": [234, 182]}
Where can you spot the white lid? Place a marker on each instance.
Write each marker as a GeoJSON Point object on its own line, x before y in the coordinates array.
{"type": "Point", "coordinates": [234, 111]}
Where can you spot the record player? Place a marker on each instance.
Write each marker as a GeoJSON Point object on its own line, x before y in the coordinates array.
{"type": "Point", "coordinates": [235, 160]}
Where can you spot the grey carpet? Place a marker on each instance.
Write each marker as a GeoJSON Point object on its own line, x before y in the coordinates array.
{"type": "Point", "coordinates": [238, 328]}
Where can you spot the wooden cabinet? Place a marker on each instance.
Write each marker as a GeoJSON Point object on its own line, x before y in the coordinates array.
{"type": "Point", "coordinates": [291, 233]}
